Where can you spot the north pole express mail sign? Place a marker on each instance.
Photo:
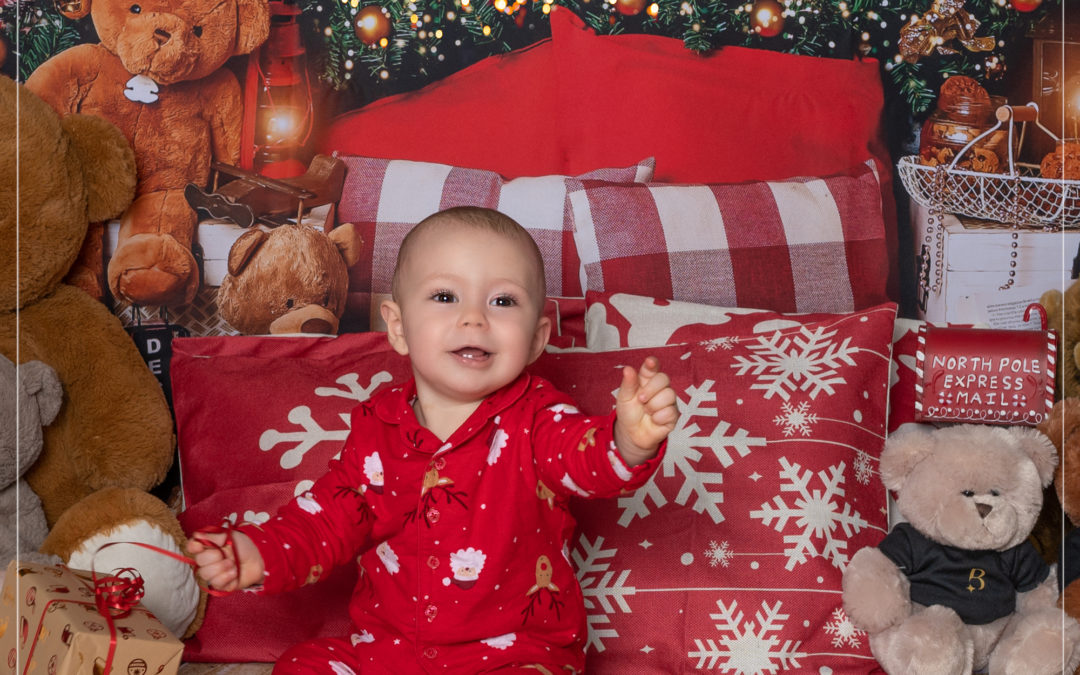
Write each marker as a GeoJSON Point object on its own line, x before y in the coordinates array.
{"type": "Point", "coordinates": [985, 376]}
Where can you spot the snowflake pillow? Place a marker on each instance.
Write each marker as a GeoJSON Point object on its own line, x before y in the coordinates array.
{"type": "Point", "coordinates": [257, 419]}
{"type": "Point", "coordinates": [731, 557]}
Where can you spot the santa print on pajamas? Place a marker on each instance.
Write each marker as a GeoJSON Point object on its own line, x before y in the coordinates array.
{"type": "Point", "coordinates": [463, 544]}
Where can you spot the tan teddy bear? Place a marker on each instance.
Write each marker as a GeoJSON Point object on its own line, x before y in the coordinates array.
{"type": "Point", "coordinates": [111, 441]}
{"type": "Point", "coordinates": [157, 75]}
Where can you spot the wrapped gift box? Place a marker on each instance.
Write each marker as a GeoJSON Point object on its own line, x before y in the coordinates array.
{"type": "Point", "coordinates": [49, 623]}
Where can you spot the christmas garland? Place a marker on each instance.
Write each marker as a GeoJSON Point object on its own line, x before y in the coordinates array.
{"type": "Point", "coordinates": [392, 45]}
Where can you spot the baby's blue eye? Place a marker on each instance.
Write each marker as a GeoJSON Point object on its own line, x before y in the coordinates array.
{"type": "Point", "coordinates": [504, 301]}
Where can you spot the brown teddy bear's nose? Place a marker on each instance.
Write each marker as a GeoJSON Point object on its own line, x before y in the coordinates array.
{"type": "Point", "coordinates": [162, 36]}
{"type": "Point", "coordinates": [984, 509]}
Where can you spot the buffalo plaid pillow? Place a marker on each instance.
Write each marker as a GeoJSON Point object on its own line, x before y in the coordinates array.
{"type": "Point", "coordinates": [730, 558]}
{"type": "Point", "coordinates": [385, 198]}
{"type": "Point", "coordinates": [799, 245]}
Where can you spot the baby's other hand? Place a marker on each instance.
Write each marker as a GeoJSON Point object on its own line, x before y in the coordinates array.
{"type": "Point", "coordinates": [646, 411]}
{"type": "Point", "coordinates": [216, 559]}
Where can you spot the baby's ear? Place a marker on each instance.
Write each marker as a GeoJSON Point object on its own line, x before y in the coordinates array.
{"type": "Point", "coordinates": [540, 338]}
{"type": "Point", "coordinates": [395, 327]}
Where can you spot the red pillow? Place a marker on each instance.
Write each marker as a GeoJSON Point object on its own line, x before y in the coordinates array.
{"type": "Point", "coordinates": [498, 114]}
{"type": "Point", "coordinates": [799, 245]}
{"type": "Point", "coordinates": [731, 557]}
{"type": "Point", "coordinates": [733, 114]}
{"type": "Point", "coordinates": [256, 417]}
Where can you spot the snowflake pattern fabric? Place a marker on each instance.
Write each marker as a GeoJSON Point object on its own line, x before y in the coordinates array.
{"type": "Point", "coordinates": [730, 558]}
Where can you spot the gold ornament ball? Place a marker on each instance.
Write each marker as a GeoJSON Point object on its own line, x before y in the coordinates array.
{"type": "Point", "coordinates": [768, 18]}
{"type": "Point", "coordinates": [630, 7]}
{"type": "Point", "coordinates": [1026, 5]}
{"type": "Point", "coordinates": [371, 25]}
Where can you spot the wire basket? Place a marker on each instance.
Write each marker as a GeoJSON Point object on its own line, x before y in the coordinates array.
{"type": "Point", "coordinates": [1019, 198]}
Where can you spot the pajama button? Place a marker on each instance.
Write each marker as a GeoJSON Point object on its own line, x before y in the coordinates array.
{"type": "Point", "coordinates": [430, 611]}
{"type": "Point", "coordinates": [433, 562]}
{"type": "Point", "coordinates": [431, 652]}
{"type": "Point", "coordinates": [433, 515]}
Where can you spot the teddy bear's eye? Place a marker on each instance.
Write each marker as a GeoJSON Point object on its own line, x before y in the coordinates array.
{"type": "Point", "coordinates": [968, 493]}
{"type": "Point", "coordinates": [996, 493]}
{"type": "Point", "coordinates": [135, 9]}
{"type": "Point", "coordinates": [289, 303]}
{"type": "Point", "coordinates": [197, 30]}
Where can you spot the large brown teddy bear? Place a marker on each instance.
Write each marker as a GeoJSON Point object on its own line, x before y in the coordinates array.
{"type": "Point", "coordinates": [157, 75]}
{"type": "Point", "coordinates": [111, 441]}
{"type": "Point", "coordinates": [1063, 429]}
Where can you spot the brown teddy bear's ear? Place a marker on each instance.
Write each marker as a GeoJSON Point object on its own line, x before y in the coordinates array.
{"type": "Point", "coordinates": [348, 242]}
{"type": "Point", "coordinates": [243, 249]}
{"type": "Point", "coordinates": [108, 164]}
{"type": "Point", "coordinates": [1038, 448]}
{"type": "Point", "coordinates": [902, 452]}
{"type": "Point", "coordinates": [253, 24]}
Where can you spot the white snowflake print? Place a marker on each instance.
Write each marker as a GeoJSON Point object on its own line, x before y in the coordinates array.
{"type": "Point", "coordinates": [796, 418]}
{"type": "Point", "coordinates": [726, 342]}
{"type": "Point", "coordinates": [684, 453]}
{"type": "Point", "coordinates": [808, 362]}
{"type": "Point", "coordinates": [501, 641]}
{"type": "Point", "coordinates": [498, 442]}
{"type": "Point", "coordinates": [311, 433]}
{"type": "Point", "coordinates": [719, 554]}
{"type": "Point", "coordinates": [843, 632]}
{"type": "Point", "coordinates": [603, 589]}
{"type": "Point", "coordinates": [863, 467]}
{"type": "Point", "coordinates": [388, 557]}
{"type": "Point", "coordinates": [308, 503]}
{"type": "Point", "coordinates": [750, 647]}
{"type": "Point", "coordinates": [814, 513]}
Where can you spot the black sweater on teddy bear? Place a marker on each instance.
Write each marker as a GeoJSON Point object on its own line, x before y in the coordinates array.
{"type": "Point", "coordinates": [981, 586]}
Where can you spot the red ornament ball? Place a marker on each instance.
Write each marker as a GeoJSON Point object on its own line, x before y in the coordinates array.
{"type": "Point", "coordinates": [371, 24]}
{"type": "Point", "coordinates": [767, 18]}
{"type": "Point", "coordinates": [1026, 5]}
{"type": "Point", "coordinates": [630, 7]}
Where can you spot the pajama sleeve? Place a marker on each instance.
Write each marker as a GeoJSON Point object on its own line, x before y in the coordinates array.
{"type": "Point", "coordinates": [576, 455]}
{"type": "Point", "coordinates": [321, 528]}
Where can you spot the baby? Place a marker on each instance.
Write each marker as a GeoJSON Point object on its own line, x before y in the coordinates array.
{"type": "Point", "coordinates": [463, 543]}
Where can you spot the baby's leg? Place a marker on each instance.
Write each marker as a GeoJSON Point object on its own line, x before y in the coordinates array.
{"type": "Point", "coordinates": [326, 656]}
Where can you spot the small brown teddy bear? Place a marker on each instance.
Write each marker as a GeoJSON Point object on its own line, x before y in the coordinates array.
{"type": "Point", "coordinates": [112, 439]}
{"type": "Point", "coordinates": [292, 279]}
{"type": "Point", "coordinates": [157, 75]}
{"type": "Point", "coordinates": [1063, 430]}
{"type": "Point", "coordinates": [958, 587]}
{"type": "Point", "coordinates": [1063, 315]}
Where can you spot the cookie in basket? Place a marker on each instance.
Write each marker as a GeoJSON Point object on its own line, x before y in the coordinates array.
{"type": "Point", "coordinates": [1063, 162]}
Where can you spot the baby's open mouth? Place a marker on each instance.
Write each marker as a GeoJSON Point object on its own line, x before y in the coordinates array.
{"type": "Point", "coordinates": [474, 353]}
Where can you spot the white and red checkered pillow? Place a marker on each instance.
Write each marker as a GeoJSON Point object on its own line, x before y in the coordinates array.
{"type": "Point", "coordinates": [731, 557]}
{"type": "Point", "coordinates": [385, 198]}
{"type": "Point", "coordinates": [798, 245]}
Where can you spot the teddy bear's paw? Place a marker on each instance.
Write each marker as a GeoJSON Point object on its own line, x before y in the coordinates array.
{"type": "Point", "coordinates": [932, 640]}
{"type": "Point", "coordinates": [153, 269]}
{"type": "Point", "coordinates": [1038, 643]}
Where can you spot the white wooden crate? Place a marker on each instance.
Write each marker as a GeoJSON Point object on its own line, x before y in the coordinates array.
{"type": "Point", "coordinates": [975, 265]}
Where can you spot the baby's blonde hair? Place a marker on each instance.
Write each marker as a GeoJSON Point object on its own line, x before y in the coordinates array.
{"type": "Point", "coordinates": [483, 219]}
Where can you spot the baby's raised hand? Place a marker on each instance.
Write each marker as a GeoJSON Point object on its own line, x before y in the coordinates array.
{"type": "Point", "coordinates": [217, 554]}
{"type": "Point", "coordinates": [645, 411]}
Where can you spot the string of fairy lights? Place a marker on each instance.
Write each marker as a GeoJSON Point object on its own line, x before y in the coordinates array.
{"type": "Point", "coordinates": [394, 45]}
